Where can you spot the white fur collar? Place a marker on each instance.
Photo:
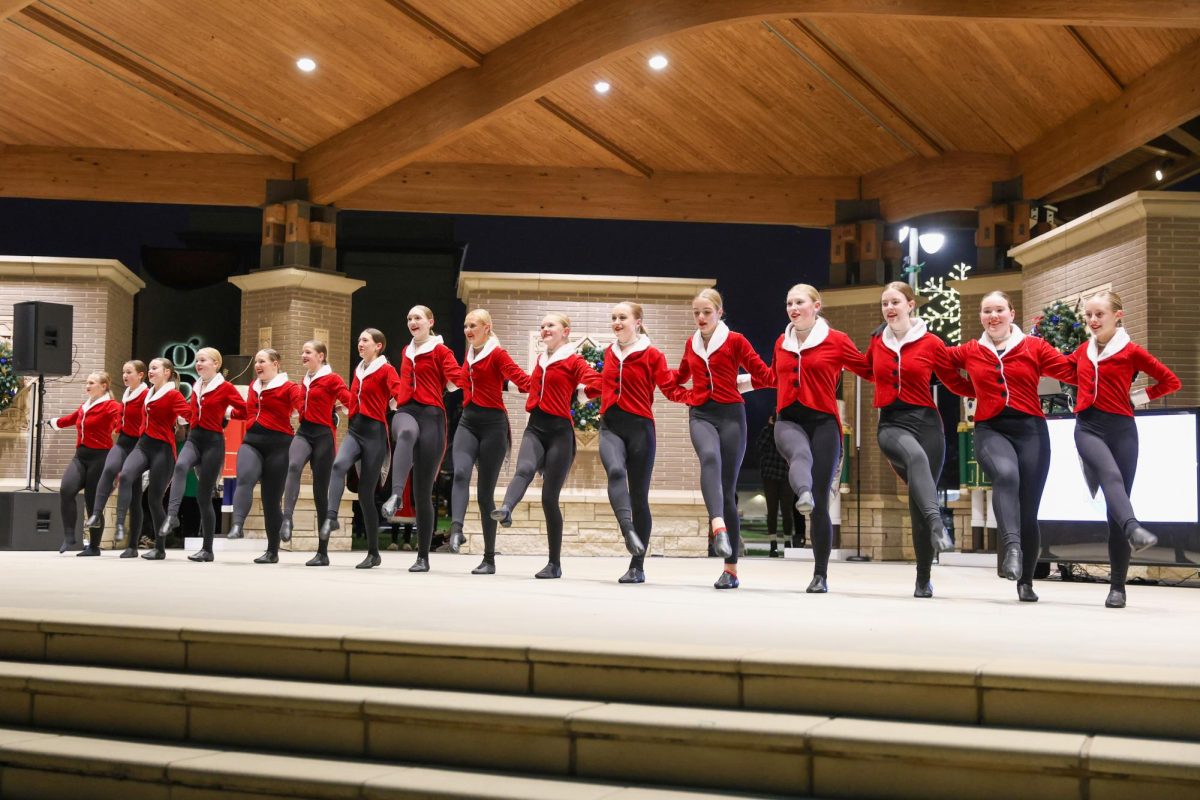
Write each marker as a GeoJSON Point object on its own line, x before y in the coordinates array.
{"type": "Point", "coordinates": [169, 386]}
{"type": "Point", "coordinates": [309, 377]}
{"type": "Point", "coordinates": [1115, 345]}
{"type": "Point", "coordinates": [564, 351]}
{"type": "Point", "coordinates": [279, 380]}
{"type": "Point", "coordinates": [411, 352]}
{"type": "Point", "coordinates": [95, 401]}
{"type": "Point", "coordinates": [1014, 339]}
{"type": "Point", "coordinates": [216, 381]}
{"type": "Point", "coordinates": [472, 357]}
{"type": "Point", "coordinates": [639, 344]}
{"type": "Point", "coordinates": [362, 372]}
{"type": "Point", "coordinates": [714, 343]}
{"type": "Point", "coordinates": [915, 332]}
{"type": "Point", "coordinates": [134, 393]}
{"type": "Point", "coordinates": [818, 334]}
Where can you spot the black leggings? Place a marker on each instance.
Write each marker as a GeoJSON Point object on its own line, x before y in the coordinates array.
{"type": "Point", "coordinates": [205, 450]}
{"type": "Point", "coordinates": [420, 436]}
{"type": "Point", "coordinates": [548, 445]}
{"type": "Point", "coordinates": [263, 456]}
{"type": "Point", "coordinates": [83, 473]}
{"type": "Point", "coordinates": [482, 439]}
{"type": "Point", "coordinates": [811, 441]}
{"type": "Point", "coordinates": [312, 443]}
{"type": "Point", "coordinates": [780, 503]}
{"type": "Point", "coordinates": [1108, 445]}
{"type": "Point", "coordinates": [112, 468]}
{"type": "Point", "coordinates": [718, 433]}
{"type": "Point", "coordinates": [914, 442]}
{"type": "Point", "coordinates": [627, 448]}
{"type": "Point", "coordinates": [367, 445]}
{"type": "Point", "coordinates": [1014, 450]}
{"type": "Point", "coordinates": [158, 457]}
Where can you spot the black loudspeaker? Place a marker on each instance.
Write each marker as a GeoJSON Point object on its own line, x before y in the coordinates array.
{"type": "Point", "coordinates": [30, 521]}
{"type": "Point", "coordinates": [42, 338]}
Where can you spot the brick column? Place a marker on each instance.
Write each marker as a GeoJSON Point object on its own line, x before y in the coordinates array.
{"type": "Point", "coordinates": [283, 309]}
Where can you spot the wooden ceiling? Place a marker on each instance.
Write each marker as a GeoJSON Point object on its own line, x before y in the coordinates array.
{"type": "Point", "coordinates": [769, 111]}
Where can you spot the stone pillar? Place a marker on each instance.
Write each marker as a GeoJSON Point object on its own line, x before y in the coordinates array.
{"type": "Point", "coordinates": [101, 292]}
{"type": "Point", "coordinates": [284, 308]}
{"type": "Point", "coordinates": [517, 303]}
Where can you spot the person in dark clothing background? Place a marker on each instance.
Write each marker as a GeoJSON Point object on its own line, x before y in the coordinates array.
{"type": "Point", "coordinates": [773, 469]}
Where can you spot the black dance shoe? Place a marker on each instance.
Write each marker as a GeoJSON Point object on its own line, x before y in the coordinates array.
{"type": "Point", "coordinates": [633, 542]}
{"type": "Point", "coordinates": [457, 539]}
{"type": "Point", "coordinates": [67, 543]}
{"type": "Point", "coordinates": [503, 515]}
{"type": "Point", "coordinates": [154, 555]}
{"type": "Point", "coordinates": [818, 585]}
{"type": "Point", "coordinates": [940, 538]}
{"type": "Point", "coordinates": [285, 530]}
{"type": "Point", "coordinates": [727, 581]}
{"type": "Point", "coordinates": [805, 503]}
{"type": "Point", "coordinates": [201, 556]}
{"type": "Point", "coordinates": [130, 552]}
{"type": "Point", "coordinates": [721, 544]}
{"type": "Point", "coordinates": [775, 551]}
{"type": "Point", "coordinates": [169, 526]}
{"type": "Point", "coordinates": [89, 551]}
{"type": "Point", "coordinates": [328, 526]}
{"type": "Point", "coordinates": [1026, 594]}
{"type": "Point", "coordinates": [318, 560]}
{"type": "Point", "coordinates": [389, 507]}
{"type": "Point", "coordinates": [924, 588]}
{"type": "Point", "coordinates": [119, 534]}
{"type": "Point", "coordinates": [551, 570]}
{"type": "Point", "coordinates": [635, 575]}
{"type": "Point", "coordinates": [420, 565]}
{"type": "Point", "coordinates": [372, 560]}
{"type": "Point", "coordinates": [1141, 539]}
{"type": "Point", "coordinates": [1115, 599]}
{"type": "Point", "coordinates": [1011, 567]}
{"type": "Point", "coordinates": [235, 532]}
{"type": "Point", "coordinates": [269, 557]}
{"type": "Point", "coordinates": [485, 567]}
{"type": "Point", "coordinates": [95, 521]}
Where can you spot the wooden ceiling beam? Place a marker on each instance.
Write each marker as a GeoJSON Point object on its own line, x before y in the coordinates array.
{"type": "Point", "coordinates": [952, 182]}
{"type": "Point", "coordinates": [529, 66]}
{"type": "Point", "coordinates": [156, 83]}
{"type": "Point", "coordinates": [608, 149]}
{"type": "Point", "coordinates": [470, 56]}
{"type": "Point", "coordinates": [10, 7]}
{"type": "Point", "coordinates": [1157, 102]}
{"type": "Point", "coordinates": [606, 194]}
{"type": "Point", "coordinates": [1115, 87]}
{"type": "Point", "coordinates": [1186, 139]}
{"type": "Point", "coordinates": [131, 176]}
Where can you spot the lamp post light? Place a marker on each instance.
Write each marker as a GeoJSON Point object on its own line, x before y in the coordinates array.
{"type": "Point", "coordinates": [929, 242]}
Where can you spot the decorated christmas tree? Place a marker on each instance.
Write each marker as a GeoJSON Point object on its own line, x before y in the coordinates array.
{"type": "Point", "coordinates": [10, 384]}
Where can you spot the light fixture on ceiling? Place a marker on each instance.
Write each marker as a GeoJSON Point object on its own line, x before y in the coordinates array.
{"type": "Point", "coordinates": [658, 62]}
{"type": "Point", "coordinates": [306, 64]}
{"type": "Point", "coordinates": [602, 87]}
{"type": "Point", "coordinates": [1158, 176]}
{"type": "Point", "coordinates": [917, 241]}
{"type": "Point", "coordinates": [1163, 166]}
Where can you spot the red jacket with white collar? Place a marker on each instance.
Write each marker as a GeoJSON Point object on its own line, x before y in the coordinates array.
{"type": "Point", "coordinates": [714, 373]}
{"type": "Point", "coordinates": [94, 422]}
{"type": "Point", "coordinates": [209, 407]}
{"type": "Point", "coordinates": [808, 373]}
{"type": "Point", "coordinates": [1011, 380]}
{"type": "Point", "coordinates": [319, 392]}
{"type": "Point", "coordinates": [133, 410]}
{"type": "Point", "coordinates": [901, 369]}
{"type": "Point", "coordinates": [629, 378]}
{"type": "Point", "coordinates": [425, 372]}
{"type": "Point", "coordinates": [1104, 378]}
{"type": "Point", "coordinates": [163, 408]}
{"type": "Point", "coordinates": [372, 387]}
{"type": "Point", "coordinates": [555, 379]}
{"type": "Point", "coordinates": [482, 376]}
{"type": "Point", "coordinates": [273, 405]}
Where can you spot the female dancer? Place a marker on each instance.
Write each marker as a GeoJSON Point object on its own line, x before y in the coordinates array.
{"type": "Point", "coordinates": [264, 452]}
{"type": "Point", "coordinates": [314, 441]}
{"type": "Point", "coordinates": [902, 355]}
{"type": "Point", "coordinates": [1105, 433]}
{"type": "Point", "coordinates": [213, 400]}
{"type": "Point", "coordinates": [1011, 439]}
{"type": "Point", "coordinates": [133, 420]}
{"type": "Point", "coordinates": [632, 368]}
{"type": "Point", "coordinates": [374, 387]}
{"type": "Point", "coordinates": [808, 361]}
{"type": "Point", "coordinates": [483, 436]}
{"type": "Point", "coordinates": [549, 441]}
{"type": "Point", "coordinates": [155, 452]}
{"type": "Point", "coordinates": [94, 422]}
{"type": "Point", "coordinates": [419, 425]}
{"type": "Point", "coordinates": [717, 418]}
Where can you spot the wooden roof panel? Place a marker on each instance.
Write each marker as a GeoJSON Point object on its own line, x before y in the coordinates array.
{"type": "Point", "coordinates": [1131, 52]}
{"type": "Point", "coordinates": [487, 24]}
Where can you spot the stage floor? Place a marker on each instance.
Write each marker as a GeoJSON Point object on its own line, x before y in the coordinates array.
{"type": "Point", "coordinates": [870, 608]}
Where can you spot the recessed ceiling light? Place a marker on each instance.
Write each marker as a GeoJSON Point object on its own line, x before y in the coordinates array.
{"type": "Point", "coordinates": [1158, 174]}
{"type": "Point", "coordinates": [658, 62]}
{"type": "Point", "coordinates": [306, 65]}
{"type": "Point", "coordinates": [602, 87]}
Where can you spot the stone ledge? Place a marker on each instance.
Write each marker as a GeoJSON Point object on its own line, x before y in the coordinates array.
{"type": "Point", "coordinates": [40, 267]}
{"type": "Point", "coordinates": [550, 284]}
{"type": "Point", "coordinates": [293, 278]}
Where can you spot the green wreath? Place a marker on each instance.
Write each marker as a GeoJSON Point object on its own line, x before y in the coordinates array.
{"type": "Point", "coordinates": [586, 416]}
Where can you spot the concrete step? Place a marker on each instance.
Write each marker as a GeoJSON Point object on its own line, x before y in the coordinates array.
{"type": "Point", "coordinates": [1162, 702]}
{"type": "Point", "coordinates": [35, 764]}
{"type": "Point", "coordinates": [746, 751]}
